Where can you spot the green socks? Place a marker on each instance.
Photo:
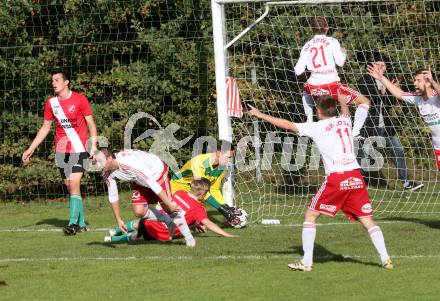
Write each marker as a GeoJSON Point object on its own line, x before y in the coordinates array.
{"type": "Point", "coordinates": [124, 237]}
{"type": "Point", "coordinates": [76, 210]}
{"type": "Point", "coordinates": [73, 209]}
{"type": "Point", "coordinates": [129, 226]}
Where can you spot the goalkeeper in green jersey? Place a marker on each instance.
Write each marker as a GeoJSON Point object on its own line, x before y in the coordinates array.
{"type": "Point", "coordinates": [211, 166]}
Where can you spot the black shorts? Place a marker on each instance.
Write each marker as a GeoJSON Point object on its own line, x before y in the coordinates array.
{"type": "Point", "coordinates": [69, 163]}
{"type": "Point", "coordinates": [142, 231]}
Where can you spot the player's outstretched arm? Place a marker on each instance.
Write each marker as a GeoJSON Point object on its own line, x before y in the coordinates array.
{"type": "Point", "coordinates": [41, 135]}
{"type": "Point", "coordinates": [377, 71]}
{"type": "Point", "coordinates": [215, 228]}
{"type": "Point", "coordinates": [278, 122]}
{"type": "Point", "coordinates": [117, 213]}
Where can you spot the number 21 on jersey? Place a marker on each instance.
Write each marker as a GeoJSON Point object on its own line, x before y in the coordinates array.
{"type": "Point", "coordinates": [315, 52]}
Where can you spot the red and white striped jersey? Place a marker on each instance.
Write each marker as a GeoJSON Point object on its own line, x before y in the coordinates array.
{"type": "Point", "coordinates": [321, 55]}
{"type": "Point", "coordinates": [334, 140]}
{"type": "Point", "coordinates": [145, 169]}
{"type": "Point", "coordinates": [70, 123]}
{"type": "Point", "coordinates": [430, 112]}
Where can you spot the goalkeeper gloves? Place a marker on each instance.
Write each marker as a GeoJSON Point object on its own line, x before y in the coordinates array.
{"type": "Point", "coordinates": [229, 213]}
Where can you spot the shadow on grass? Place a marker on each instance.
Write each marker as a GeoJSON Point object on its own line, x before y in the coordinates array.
{"type": "Point", "coordinates": [59, 223]}
{"type": "Point", "coordinates": [323, 255]}
{"type": "Point", "coordinates": [135, 242]}
{"type": "Point", "coordinates": [434, 224]}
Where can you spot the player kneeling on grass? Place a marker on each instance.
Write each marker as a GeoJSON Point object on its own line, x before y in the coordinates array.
{"type": "Point", "coordinates": [344, 187]}
{"type": "Point", "coordinates": [150, 185]}
{"type": "Point", "coordinates": [195, 215]}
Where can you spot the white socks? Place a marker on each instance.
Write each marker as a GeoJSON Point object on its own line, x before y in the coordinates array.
{"type": "Point", "coordinates": [360, 115]}
{"type": "Point", "coordinates": [180, 222]}
{"type": "Point", "coordinates": [308, 105]}
{"type": "Point", "coordinates": [379, 242]}
{"type": "Point", "coordinates": [308, 241]}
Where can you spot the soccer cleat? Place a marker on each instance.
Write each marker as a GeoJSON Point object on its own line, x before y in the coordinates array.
{"type": "Point", "coordinates": [412, 186]}
{"type": "Point", "coordinates": [299, 266]}
{"type": "Point", "coordinates": [71, 229]}
{"type": "Point", "coordinates": [107, 239]}
{"type": "Point", "coordinates": [388, 264]}
{"type": "Point", "coordinates": [82, 229]}
{"type": "Point", "coordinates": [112, 232]}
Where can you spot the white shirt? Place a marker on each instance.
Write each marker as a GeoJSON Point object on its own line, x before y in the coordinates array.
{"type": "Point", "coordinates": [136, 166]}
{"type": "Point", "coordinates": [334, 139]}
{"type": "Point", "coordinates": [321, 55]}
{"type": "Point", "coordinates": [430, 111]}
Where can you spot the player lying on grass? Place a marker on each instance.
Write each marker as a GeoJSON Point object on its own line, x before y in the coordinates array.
{"type": "Point", "coordinates": [195, 215]}
{"type": "Point", "coordinates": [344, 187]}
{"type": "Point", "coordinates": [320, 55]}
{"type": "Point", "coordinates": [426, 98]}
{"type": "Point", "coordinates": [211, 166]}
{"type": "Point", "coordinates": [150, 185]}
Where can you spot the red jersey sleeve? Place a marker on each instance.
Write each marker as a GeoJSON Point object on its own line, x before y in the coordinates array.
{"type": "Point", "coordinates": [200, 213]}
{"type": "Point", "coordinates": [85, 107]}
{"type": "Point", "coordinates": [48, 113]}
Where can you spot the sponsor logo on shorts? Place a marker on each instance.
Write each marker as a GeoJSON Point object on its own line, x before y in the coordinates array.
{"type": "Point", "coordinates": [351, 183]}
{"type": "Point", "coordinates": [319, 92]}
{"type": "Point", "coordinates": [331, 208]}
{"type": "Point", "coordinates": [136, 195]}
{"type": "Point", "coordinates": [366, 208]}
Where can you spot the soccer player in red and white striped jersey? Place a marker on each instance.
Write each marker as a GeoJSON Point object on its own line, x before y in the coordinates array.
{"type": "Point", "coordinates": [426, 98]}
{"type": "Point", "coordinates": [150, 185]}
{"type": "Point", "coordinates": [73, 116]}
{"type": "Point", "coordinates": [320, 56]}
{"type": "Point", "coordinates": [344, 187]}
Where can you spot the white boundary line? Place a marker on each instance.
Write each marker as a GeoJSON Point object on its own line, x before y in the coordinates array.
{"type": "Point", "coordinates": [183, 258]}
{"type": "Point", "coordinates": [8, 230]}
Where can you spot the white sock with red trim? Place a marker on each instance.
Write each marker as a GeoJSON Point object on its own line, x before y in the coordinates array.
{"type": "Point", "coordinates": [360, 115]}
{"type": "Point", "coordinates": [308, 104]}
{"type": "Point", "coordinates": [376, 236]}
{"type": "Point", "coordinates": [308, 240]}
{"type": "Point", "coordinates": [180, 222]}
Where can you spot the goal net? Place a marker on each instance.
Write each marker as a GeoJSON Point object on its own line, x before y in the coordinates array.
{"type": "Point", "coordinates": [277, 172]}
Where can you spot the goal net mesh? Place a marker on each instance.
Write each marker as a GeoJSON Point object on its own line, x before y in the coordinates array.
{"type": "Point", "coordinates": [278, 172]}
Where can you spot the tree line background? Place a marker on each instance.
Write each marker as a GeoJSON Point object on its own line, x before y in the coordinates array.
{"type": "Point", "coordinates": [156, 56]}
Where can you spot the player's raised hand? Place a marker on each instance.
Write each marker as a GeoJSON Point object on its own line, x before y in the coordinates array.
{"type": "Point", "coordinates": [27, 156]}
{"type": "Point", "coordinates": [253, 111]}
{"type": "Point", "coordinates": [427, 75]}
{"type": "Point", "coordinates": [375, 70]}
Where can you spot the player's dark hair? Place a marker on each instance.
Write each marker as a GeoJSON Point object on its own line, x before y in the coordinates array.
{"type": "Point", "coordinates": [62, 72]}
{"type": "Point", "coordinates": [107, 153]}
{"type": "Point", "coordinates": [200, 185]}
{"type": "Point", "coordinates": [420, 71]}
{"type": "Point", "coordinates": [224, 146]}
{"type": "Point", "coordinates": [327, 105]}
{"type": "Point", "coordinates": [319, 25]}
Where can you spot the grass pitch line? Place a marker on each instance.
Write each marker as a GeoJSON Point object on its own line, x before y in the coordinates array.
{"type": "Point", "coordinates": [225, 258]}
{"type": "Point", "coordinates": [8, 230]}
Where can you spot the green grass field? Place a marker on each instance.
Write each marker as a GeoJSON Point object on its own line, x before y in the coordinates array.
{"type": "Point", "coordinates": [37, 262]}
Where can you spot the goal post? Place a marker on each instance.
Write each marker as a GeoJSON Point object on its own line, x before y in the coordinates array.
{"type": "Point", "coordinates": [277, 172]}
